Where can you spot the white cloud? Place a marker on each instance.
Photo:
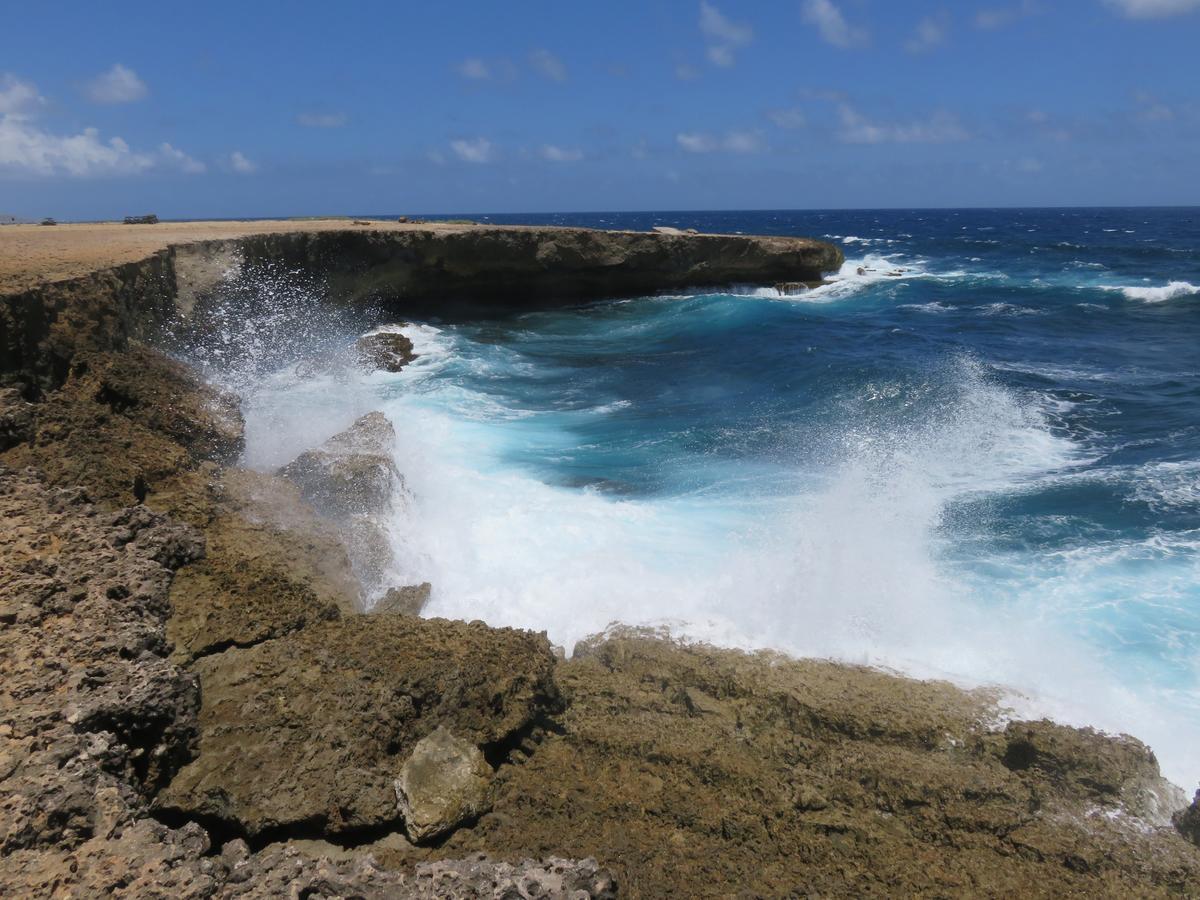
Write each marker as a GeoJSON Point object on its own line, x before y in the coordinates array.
{"type": "Point", "coordinates": [117, 85]}
{"type": "Point", "coordinates": [1000, 16]}
{"type": "Point", "coordinates": [475, 69]}
{"type": "Point", "coordinates": [684, 72]}
{"type": "Point", "coordinates": [548, 65]}
{"type": "Point", "coordinates": [241, 164]}
{"type": "Point", "coordinates": [561, 154]}
{"type": "Point", "coordinates": [832, 25]}
{"type": "Point", "coordinates": [478, 150]}
{"type": "Point", "coordinates": [1151, 109]}
{"type": "Point", "coordinates": [321, 120]}
{"type": "Point", "coordinates": [940, 128]}
{"type": "Point", "coordinates": [720, 56]}
{"type": "Point", "coordinates": [175, 157]}
{"type": "Point", "coordinates": [724, 35]}
{"type": "Point", "coordinates": [18, 97]}
{"type": "Point", "coordinates": [720, 29]}
{"type": "Point", "coordinates": [27, 149]}
{"type": "Point", "coordinates": [930, 32]}
{"type": "Point", "coordinates": [1154, 9]}
{"type": "Point", "coordinates": [787, 118]}
{"type": "Point", "coordinates": [730, 142]}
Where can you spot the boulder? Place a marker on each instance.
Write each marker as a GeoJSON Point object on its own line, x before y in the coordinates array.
{"type": "Point", "coordinates": [352, 472]}
{"type": "Point", "coordinates": [443, 784]}
{"type": "Point", "coordinates": [312, 728]}
{"type": "Point", "coordinates": [352, 480]}
{"type": "Point", "coordinates": [389, 351]}
{"type": "Point", "coordinates": [404, 601]}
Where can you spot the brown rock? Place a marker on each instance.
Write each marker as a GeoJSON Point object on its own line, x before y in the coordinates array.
{"type": "Point", "coordinates": [1188, 821]}
{"type": "Point", "coordinates": [443, 783]}
{"type": "Point", "coordinates": [389, 351]}
{"type": "Point", "coordinates": [351, 473]}
{"type": "Point", "coordinates": [312, 727]}
{"type": "Point", "coordinates": [405, 601]}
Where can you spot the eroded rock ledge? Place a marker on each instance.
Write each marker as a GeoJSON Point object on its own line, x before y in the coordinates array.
{"type": "Point", "coordinates": [190, 706]}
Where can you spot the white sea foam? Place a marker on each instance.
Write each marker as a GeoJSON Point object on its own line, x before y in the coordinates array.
{"type": "Point", "coordinates": [1160, 294]}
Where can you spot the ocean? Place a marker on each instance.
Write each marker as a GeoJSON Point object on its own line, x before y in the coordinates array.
{"type": "Point", "coordinates": [976, 459]}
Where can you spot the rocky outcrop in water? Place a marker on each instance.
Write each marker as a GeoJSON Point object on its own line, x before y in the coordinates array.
{"type": "Point", "coordinates": [352, 480]}
{"type": "Point", "coordinates": [387, 351]}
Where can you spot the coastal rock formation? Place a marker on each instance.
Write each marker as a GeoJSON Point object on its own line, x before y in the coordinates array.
{"type": "Point", "coordinates": [94, 718]}
{"type": "Point", "coordinates": [442, 784]}
{"type": "Point", "coordinates": [725, 771]}
{"type": "Point", "coordinates": [309, 731]}
{"type": "Point", "coordinates": [525, 266]}
{"type": "Point", "coordinates": [404, 601]}
{"type": "Point", "coordinates": [388, 351]}
{"type": "Point", "coordinates": [121, 418]}
{"type": "Point", "coordinates": [352, 473]}
{"type": "Point", "coordinates": [352, 480]}
{"type": "Point", "coordinates": [1188, 821]}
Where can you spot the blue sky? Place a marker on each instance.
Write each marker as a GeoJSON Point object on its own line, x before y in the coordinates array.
{"type": "Point", "coordinates": [272, 108]}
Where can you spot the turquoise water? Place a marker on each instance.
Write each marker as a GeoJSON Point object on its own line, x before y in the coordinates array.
{"type": "Point", "coordinates": [985, 468]}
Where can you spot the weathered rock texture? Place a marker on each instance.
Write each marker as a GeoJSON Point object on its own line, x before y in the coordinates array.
{"type": "Point", "coordinates": [757, 775]}
{"type": "Point", "coordinates": [310, 731]}
{"type": "Point", "coordinates": [443, 783]}
{"type": "Point", "coordinates": [352, 480]}
{"type": "Point", "coordinates": [388, 351]}
{"type": "Point", "coordinates": [43, 327]}
{"type": "Point", "coordinates": [94, 718]}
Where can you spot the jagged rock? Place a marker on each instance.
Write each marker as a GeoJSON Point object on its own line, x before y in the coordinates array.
{"type": "Point", "coordinates": [16, 418]}
{"type": "Point", "coordinates": [443, 783]}
{"type": "Point", "coordinates": [352, 479]}
{"type": "Point", "coordinates": [93, 716]}
{"type": "Point", "coordinates": [724, 772]}
{"type": "Point", "coordinates": [1188, 821]}
{"type": "Point", "coordinates": [405, 601]}
{"type": "Point", "coordinates": [121, 416]}
{"type": "Point", "coordinates": [272, 567]}
{"type": "Point", "coordinates": [285, 871]}
{"type": "Point", "coordinates": [386, 350]}
{"type": "Point", "coordinates": [481, 876]}
{"type": "Point", "coordinates": [1081, 761]}
{"type": "Point", "coordinates": [352, 472]}
{"type": "Point", "coordinates": [308, 729]}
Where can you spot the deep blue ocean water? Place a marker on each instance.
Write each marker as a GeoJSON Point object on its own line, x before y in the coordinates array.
{"type": "Point", "coordinates": [985, 467]}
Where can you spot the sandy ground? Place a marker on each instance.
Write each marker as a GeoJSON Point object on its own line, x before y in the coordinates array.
{"type": "Point", "coordinates": [32, 254]}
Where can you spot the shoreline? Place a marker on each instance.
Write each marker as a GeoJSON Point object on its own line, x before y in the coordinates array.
{"type": "Point", "coordinates": [284, 716]}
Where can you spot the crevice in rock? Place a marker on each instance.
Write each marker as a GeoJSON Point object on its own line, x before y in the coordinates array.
{"type": "Point", "coordinates": [221, 831]}
{"type": "Point", "coordinates": [526, 738]}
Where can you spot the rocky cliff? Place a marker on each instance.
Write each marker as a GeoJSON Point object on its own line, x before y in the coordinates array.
{"type": "Point", "coordinates": [192, 706]}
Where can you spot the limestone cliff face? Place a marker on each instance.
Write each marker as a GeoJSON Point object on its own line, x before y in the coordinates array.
{"type": "Point", "coordinates": [42, 328]}
{"type": "Point", "coordinates": [527, 266]}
